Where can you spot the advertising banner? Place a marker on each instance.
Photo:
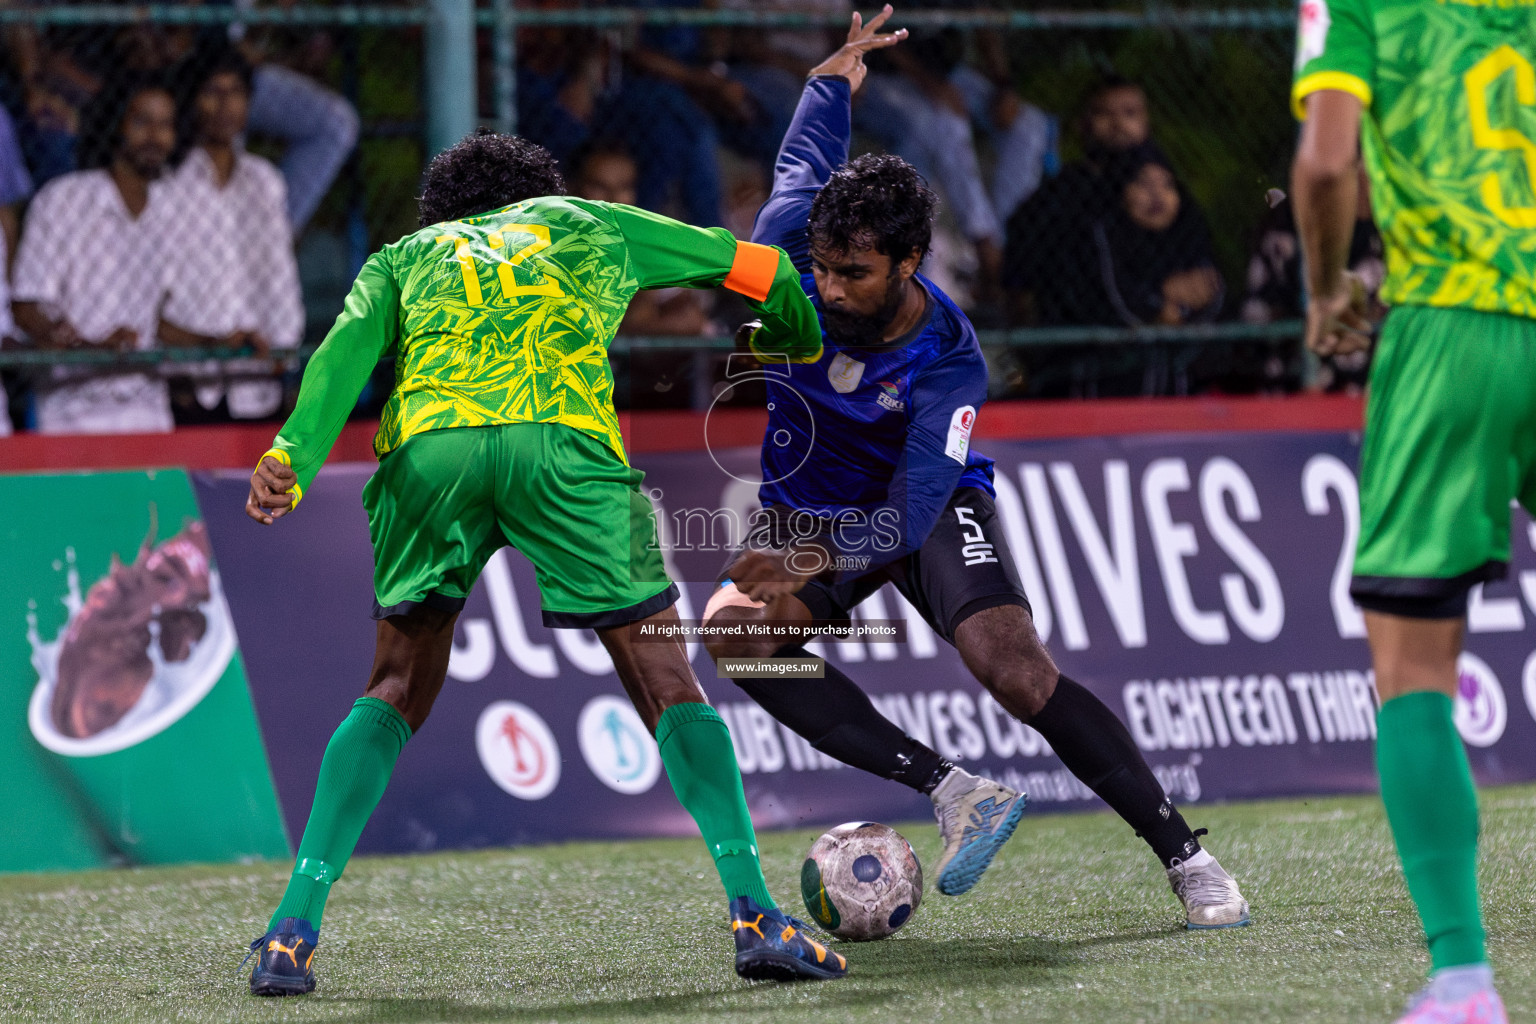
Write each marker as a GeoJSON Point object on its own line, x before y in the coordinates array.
{"type": "Point", "coordinates": [1198, 584]}
{"type": "Point", "coordinates": [127, 733]}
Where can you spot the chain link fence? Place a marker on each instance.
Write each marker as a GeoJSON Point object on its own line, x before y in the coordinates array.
{"type": "Point", "coordinates": [193, 185]}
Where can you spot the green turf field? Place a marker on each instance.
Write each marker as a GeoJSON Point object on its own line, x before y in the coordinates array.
{"type": "Point", "coordinates": [1073, 923]}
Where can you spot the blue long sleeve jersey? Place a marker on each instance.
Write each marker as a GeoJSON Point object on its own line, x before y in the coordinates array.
{"type": "Point", "coordinates": [876, 438]}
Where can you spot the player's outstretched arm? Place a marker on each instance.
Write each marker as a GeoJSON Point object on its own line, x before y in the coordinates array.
{"type": "Point", "coordinates": [366, 329]}
{"type": "Point", "coordinates": [666, 253]}
{"type": "Point", "coordinates": [816, 143]}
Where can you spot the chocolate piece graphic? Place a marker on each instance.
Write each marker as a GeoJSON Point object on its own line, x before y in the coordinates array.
{"type": "Point", "coordinates": [104, 663]}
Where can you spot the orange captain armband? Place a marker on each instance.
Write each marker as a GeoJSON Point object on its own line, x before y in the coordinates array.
{"type": "Point", "coordinates": [753, 270]}
{"type": "Point", "coordinates": [282, 456]}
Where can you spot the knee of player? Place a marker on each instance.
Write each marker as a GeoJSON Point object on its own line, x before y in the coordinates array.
{"type": "Point", "coordinates": [1024, 682]}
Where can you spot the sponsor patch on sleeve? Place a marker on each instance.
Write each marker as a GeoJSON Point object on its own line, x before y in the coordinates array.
{"type": "Point", "coordinates": [1311, 31]}
{"type": "Point", "coordinates": [959, 441]}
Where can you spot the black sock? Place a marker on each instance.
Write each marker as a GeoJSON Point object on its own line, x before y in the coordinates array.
{"type": "Point", "coordinates": [1097, 748]}
{"type": "Point", "coordinates": [837, 718]}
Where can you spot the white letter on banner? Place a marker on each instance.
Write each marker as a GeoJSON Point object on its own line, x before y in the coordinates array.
{"type": "Point", "coordinates": [1138, 715]}
{"type": "Point", "coordinates": [1174, 542]}
{"type": "Point", "coordinates": [537, 660]}
{"type": "Point", "coordinates": [1493, 614]}
{"type": "Point", "coordinates": [1324, 473]}
{"type": "Point", "coordinates": [994, 720]}
{"type": "Point", "coordinates": [585, 650]}
{"type": "Point", "coordinates": [472, 662]}
{"type": "Point", "coordinates": [1011, 511]}
{"type": "Point", "coordinates": [1262, 621]}
{"type": "Point", "coordinates": [962, 711]}
{"type": "Point", "coordinates": [1118, 576]}
{"type": "Point", "coordinates": [1528, 579]}
{"type": "Point", "coordinates": [1038, 496]}
{"type": "Point", "coordinates": [873, 607]}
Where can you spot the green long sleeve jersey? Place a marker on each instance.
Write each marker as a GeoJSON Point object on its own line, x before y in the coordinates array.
{"type": "Point", "coordinates": [506, 317]}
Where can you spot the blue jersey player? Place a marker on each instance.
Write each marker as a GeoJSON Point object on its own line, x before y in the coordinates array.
{"type": "Point", "coordinates": [869, 478]}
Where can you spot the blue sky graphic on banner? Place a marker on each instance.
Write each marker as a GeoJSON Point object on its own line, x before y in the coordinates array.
{"type": "Point", "coordinates": [1198, 584]}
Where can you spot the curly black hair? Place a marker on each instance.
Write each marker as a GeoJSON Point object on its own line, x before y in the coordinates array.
{"type": "Point", "coordinates": [876, 202]}
{"type": "Point", "coordinates": [486, 171]}
{"type": "Point", "coordinates": [101, 121]}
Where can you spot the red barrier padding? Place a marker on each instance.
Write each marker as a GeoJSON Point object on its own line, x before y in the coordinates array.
{"type": "Point", "coordinates": [239, 446]}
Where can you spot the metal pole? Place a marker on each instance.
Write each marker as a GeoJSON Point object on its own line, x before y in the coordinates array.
{"type": "Point", "coordinates": [450, 50]}
{"type": "Point", "coordinates": [504, 46]}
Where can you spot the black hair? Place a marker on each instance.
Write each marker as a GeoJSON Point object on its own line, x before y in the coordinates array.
{"type": "Point", "coordinates": [876, 202]}
{"type": "Point", "coordinates": [598, 145]}
{"type": "Point", "coordinates": [101, 121]}
{"type": "Point", "coordinates": [1106, 83]}
{"type": "Point", "coordinates": [486, 171]}
{"type": "Point", "coordinates": [193, 74]}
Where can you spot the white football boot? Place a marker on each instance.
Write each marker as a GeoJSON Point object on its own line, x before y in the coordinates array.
{"type": "Point", "coordinates": [976, 817]}
{"type": "Point", "coordinates": [1209, 894]}
{"type": "Point", "coordinates": [1457, 995]}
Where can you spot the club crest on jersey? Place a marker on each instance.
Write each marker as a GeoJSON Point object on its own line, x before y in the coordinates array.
{"type": "Point", "coordinates": [960, 424]}
{"type": "Point", "coordinates": [844, 373]}
{"type": "Point", "coordinates": [890, 395]}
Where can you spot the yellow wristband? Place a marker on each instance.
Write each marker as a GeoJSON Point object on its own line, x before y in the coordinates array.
{"type": "Point", "coordinates": [282, 456]}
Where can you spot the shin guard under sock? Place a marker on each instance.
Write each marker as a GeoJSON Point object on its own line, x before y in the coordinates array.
{"type": "Point", "coordinates": [838, 719]}
{"type": "Point", "coordinates": [696, 749]}
{"type": "Point", "coordinates": [1431, 803]}
{"type": "Point", "coordinates": [1098, 749]}
{"type": "Point", "coordinates": [357, 764]}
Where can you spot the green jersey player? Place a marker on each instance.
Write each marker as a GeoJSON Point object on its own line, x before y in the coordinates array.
{"type": "Point", "coordinates": [1448, 90]}
{"type": "Point", "coordinates": [501, 430]}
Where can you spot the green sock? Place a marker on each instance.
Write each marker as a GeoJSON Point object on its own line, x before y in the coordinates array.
{"type": "Point", "coordinates": [696, 749]}
{"type": "Point", "coordinates": [1426, 785]}
{"type": "Point", "coordinates": [357, 764]}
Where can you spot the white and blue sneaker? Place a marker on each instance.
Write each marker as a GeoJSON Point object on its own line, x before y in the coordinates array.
{"type": "Point", "coordinates": [976, 817]}
{"type": "Point", "coordinates": [1210, 895]}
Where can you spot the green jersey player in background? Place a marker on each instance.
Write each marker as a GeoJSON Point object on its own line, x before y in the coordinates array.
{"type": "Point", "coordinates": [501, 430]}
{"type": "Point", "coordinates": [1448, 89]}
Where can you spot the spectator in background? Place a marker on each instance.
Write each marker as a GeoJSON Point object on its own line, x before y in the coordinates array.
{"type": "Point", "coordinates": [1045, 257]}
{"type": "Point", "coordinates": [1153, 248]}
{"type": "Point", "coordinates": [90, 271]}
{"type": "Point", "coordinates": [1275, 289]}
{"type": "Point", "coordinates": [603, 170]}
{"type": "Point", "coordinates": [572, 86]}
{"type": "Point", "coordinates": [15, 189]}
{"type": "Point", "coordinates": [923, 111]}
{"type": "Point", "coordinates": [233, 283]}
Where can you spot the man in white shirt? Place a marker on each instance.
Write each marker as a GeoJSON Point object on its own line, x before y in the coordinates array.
{"type": "Point", "coordinates": [235, 283]}
{"type": "Point", "coordinates": [90, 269]}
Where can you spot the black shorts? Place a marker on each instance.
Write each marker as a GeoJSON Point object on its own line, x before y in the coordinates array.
{"type": "Point", "coordinates": [963, 567]}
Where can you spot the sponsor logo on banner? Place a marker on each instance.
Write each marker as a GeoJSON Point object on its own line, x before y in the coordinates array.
{"type": "Point", "coordinates": [959, 441]}
{"type": "Point", "coordinates": [1480, 711]}
{"type": "Point", "coordinates": [844, 373]}
{"type": "Point", "coordinates": [1311, 31]}
{"type": "Point", "coordinates": [517, 749]}
{"type": "Point", "coordinates": [617, 746]}
{"type": "Point", "coordinates": [1530, 684]}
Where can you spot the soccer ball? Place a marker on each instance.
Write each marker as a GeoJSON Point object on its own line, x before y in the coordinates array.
{"type": "Point", "coordinates": [861, 881]}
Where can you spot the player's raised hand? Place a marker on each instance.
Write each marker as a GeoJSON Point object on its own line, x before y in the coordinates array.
{"type": "Point", "coordinates": [271, 495]}
{"type": "Point", "coordinates": [848, 61]}
{"type": "Point", "coordinates": [1337, 323]}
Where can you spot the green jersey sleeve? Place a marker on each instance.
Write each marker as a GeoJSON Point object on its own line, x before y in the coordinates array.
{"type": "Point", "coordinates": [367, 328]}
{"type": "Point", "coordinates": [667, 253]}
{"type": "Point", "coordinates": [1335, 49]}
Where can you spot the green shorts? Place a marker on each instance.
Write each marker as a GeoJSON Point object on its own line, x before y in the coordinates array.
{"type": "Point", "coordinates": [1450, 441]}
{"type": "Point", "coordinates": [446, 500]}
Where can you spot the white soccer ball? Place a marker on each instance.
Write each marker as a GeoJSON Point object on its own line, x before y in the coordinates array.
{"type": "Point", "coordinates": [861, 881]}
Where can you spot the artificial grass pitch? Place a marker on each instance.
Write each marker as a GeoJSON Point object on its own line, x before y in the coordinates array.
{"type": "Point", "coordinates": [1074, 922]}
